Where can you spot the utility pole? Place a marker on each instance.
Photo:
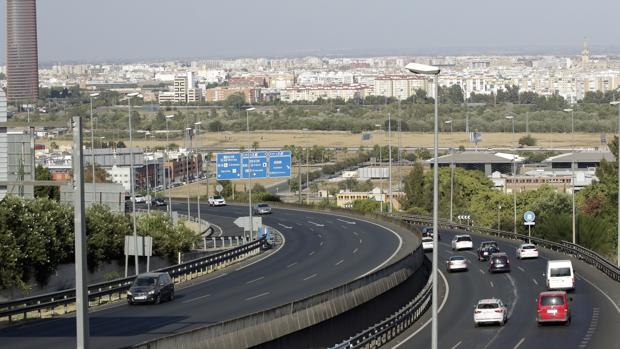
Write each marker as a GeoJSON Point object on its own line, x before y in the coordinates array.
{"type": "Point", "coordinates": [81, 284]}
{"type": "Point", "coordinates": [299, 155]}
{"type": "Point", "coordinates": [308, 176]}
{"type": "Point", "coordinates": [390, 160]}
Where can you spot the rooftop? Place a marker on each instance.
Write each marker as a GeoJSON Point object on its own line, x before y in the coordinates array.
{"type": "Point", "coordinates": [585, 156]}
{"type": "Point", "coordinates": [477, 157]}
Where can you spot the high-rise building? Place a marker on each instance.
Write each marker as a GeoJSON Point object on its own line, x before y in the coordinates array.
{"type": "Point", "coordinates": [21, 50]}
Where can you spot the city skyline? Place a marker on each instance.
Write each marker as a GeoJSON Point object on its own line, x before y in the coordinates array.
{"type": "Point", "coordinates": [147, 30]}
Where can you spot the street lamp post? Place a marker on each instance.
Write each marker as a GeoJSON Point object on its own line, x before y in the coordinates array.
{"type": "Point", "coordinates": [197, 124]}
{"type": "Point", "coordinates": [249, 168]}
{"type": "Point", "coordinates": [148, 184]}
{"type": "Point", "coordinates": [572, 169]}
{"type": "Point", "coordinates": [132, 182]}
{"type": "Point", "coordinates": [514, 174]}
{"type": "Point", "coordinates": [168, 117]}
{"type": "Point", "coordinates": [449, 122]}
{"type": "Point", "coordinates": [618, 162]}
{"type": "Point", "coordinates": [390, 160]}
{"type": "Point", "coordinates": [433, 71]}
{"type": "Point", "coordinates": [188, 152]}
{"type": "Point", "coordinates": [92, 145]}
{"type": "Point", "coordinates": [499, 227]}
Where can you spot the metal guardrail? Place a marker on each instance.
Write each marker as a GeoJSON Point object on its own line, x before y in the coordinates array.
{"type": "Point", "coordinates": [97, 292]}
{"type": "Point", "coordinates": [388, 329]}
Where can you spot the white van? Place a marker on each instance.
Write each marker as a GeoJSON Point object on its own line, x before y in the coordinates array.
{"type": "Point", "coordinates": [560, 275]}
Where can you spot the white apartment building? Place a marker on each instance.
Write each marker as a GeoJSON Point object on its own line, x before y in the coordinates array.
{"type": "Point", "coordinates": [400, 86]}
{"type": "Point", "coordinates": [313, 93]}
{"type": "Point", "coordinates": [120, 175]}
{"type": "Point", "coordinates": [183, 90]}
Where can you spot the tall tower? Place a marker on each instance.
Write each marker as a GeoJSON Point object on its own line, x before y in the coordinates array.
{"type": "Point", "coordinates": [585, 54]}
{"type": "Point", "coordinates": [21, 51]}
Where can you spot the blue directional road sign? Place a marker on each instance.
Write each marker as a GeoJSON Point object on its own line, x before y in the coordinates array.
{"type": "Point", "coordinates": [228, 166]}
{"type": "Point", "coordinates": [279, 164]}
{"type": "Point", "coordinates": [529, 216]}
{"type": "Point", "coordinates": [254, 164]}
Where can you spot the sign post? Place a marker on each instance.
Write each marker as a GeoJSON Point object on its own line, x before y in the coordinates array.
{"type": "Point", "coordinates": [529, 217]}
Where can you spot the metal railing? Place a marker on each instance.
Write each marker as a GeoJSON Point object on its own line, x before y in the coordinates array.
{"type": "Point", "coordinates": [388, 329]}
{"type": "Point", "coordinates": [105, 291]}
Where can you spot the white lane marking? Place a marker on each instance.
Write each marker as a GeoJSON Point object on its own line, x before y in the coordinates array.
{"type": "Point", "coordinates": [343, 227]}
{"type": "Point", "coordinates": [218, 228]}
{"type": "Point", "coordinates": [269, 254]}
{"type": "Point", "coordinates": [217, 277]}
{"type": "Point", "coordinates": [344, 221]}
{"type": "Point", "coordinates": [360, 241]}
{"type": "Point", "coordinates": [309, 277]}
{"type": "Point", "coordinates": [257, 279]}
{"type": "Point", "coordinates": [457, 345]}
{"type": "Point", "coordinates": [510, 311]}
{"type": "Point", "coordinates": [603, 293]}
{"type": "Point", "coordinates": [492, 284]}
{"type": "Point", "coordinates": [321, 244]}
{"type": "Point", "coordinates": [197, 298]}
{"type": "Point", "coordinates": [536, 282]}
{"type": "Point", "coordinates": [443, 302]}
{"type": "Point", "coordinates": [523, 270]}
{"type": "Point", "coordinates": [340, 262]}
{"type": "Point", "coordinates": [285, 226]}
{"type": "Point", "coordinates": [316, 224]}
{"type": "Point", "coordinates": [481, 271]}
{"type": "Point", "coordinates": [320, 236]}
{"type": "Point", "coordinates": [290, 265]}
{"type": "Point", "coordinates": [311, 253]}
{"type": "Point", "coordinates": [355, 251]}
{"type": "Point", "coordinates": [355, 233]}
{"type": "Point", "coordinates": [257, 296]}
{"type": "Point", "coordinates": [519, 343]}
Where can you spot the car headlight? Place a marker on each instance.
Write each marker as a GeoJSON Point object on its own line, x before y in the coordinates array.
{"type": "Point", "coordinates": [129, 292]}
{"type": "Point", "coordinates": [152, 292]}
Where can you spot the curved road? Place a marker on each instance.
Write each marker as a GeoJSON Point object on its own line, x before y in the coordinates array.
{"type": "Point", "coordinates": [595, 321]}
{"type": "Point", "coordinates": [321, 251]}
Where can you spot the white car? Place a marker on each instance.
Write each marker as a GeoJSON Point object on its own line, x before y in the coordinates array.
{"type": "Point", "coordinates": [527, 251]}
{"type": "Point", "coordinates": [462, 242]}
{"type": "Point", "coordinates": [490, 311]}
{"type": "Point", "coordinates": [140, 199]}
{"type": "Point", "coordinates": [427, 244]}
{"type": "Point", "coordinates": [217, 200]}
{"type": "Point", "coordinates": [456, 263]}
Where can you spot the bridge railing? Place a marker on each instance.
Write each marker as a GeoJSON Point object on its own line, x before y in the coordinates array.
{"type": "Point", "coordinates": [106, 291]}
{"type": "Point", "coordinates": [384, 331]}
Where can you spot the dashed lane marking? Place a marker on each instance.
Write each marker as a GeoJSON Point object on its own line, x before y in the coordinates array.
{"type": "Point", "coordinates": [309, 277]}
{"type": "Point", "coordinates": [340, 262]}
{"type": "Point", "coordinates": [197, 298]}
{"type": "Point", "coordinates": [457, 345]}
{"type": "Point", "coordinates": [290, 265]}
{"type": "Point", "coordinates": [536, 282]}
{"type": "Point", "coordinates": [257, 296]}
{"type": "Point", "coordinates": [519, 343]}
{"type": "Point", "coordinates": [355, 251]}
{"type": "Point", "coordinates": [257, 279]}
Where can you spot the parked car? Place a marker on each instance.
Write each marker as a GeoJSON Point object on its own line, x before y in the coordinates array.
{"type": "Point", "coordinates": [140, 199]}
{"type": "Point", "coordinates": [158, 202]}
{"type": "Point", "coordinates": [499, 262]}
{"type": "Point", "coordinates": [462, 242]}
{"type": "Point", "coordinates": [427, 243]}
{"type": "Point", "coordinates": [489, 311]}
{"type": "Point", "coordinates": [560, 275]}
{"type": "Point", "coordinates": [428, 232]}
{"type": "Point", "coordinates": [176, 184]}
{"type": "Point", "coordinates": [151, 288]}
{"type": "Point", "coordinates": [486, 249]}
{"type": "Point", "coordinates": [216, 200]}
{"type": "Point", "coordinates": [553, 306]}
{"type": "Point", "coordinates": [262, 208]}
{"type": "Point", "coordinates": [527, 251]}
{"type": "Point", "coordinates": [456, 263]}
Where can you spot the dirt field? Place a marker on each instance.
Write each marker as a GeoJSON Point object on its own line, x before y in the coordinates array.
{"type": "Point", "coordinates": [347, 139]}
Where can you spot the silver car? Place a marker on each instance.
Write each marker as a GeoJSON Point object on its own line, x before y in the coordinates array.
{"type": "Point", "coordinates": [456, 263]}
{"type": "Point", "coordinates": [262, 208]}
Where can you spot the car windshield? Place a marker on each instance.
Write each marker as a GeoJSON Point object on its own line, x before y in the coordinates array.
{"type": "Point", "coordinates": [529, 247]}
{"type": "Point", "coordinates": [457, 258]}
{"type": "Point", "coordinates": [552, 300]}
{"type": "Point", "coordinates": [427, 239]}
{"type": "Point", "coordinates": [263, 205]}
{"type": "Point", "coordinates": [217, 197]}
{"type": "Point", "coordinates": [463, 238]}
{"type": "Point", "coordinates": [489, 244]}
{"type": "Point", "coordinates": [560, 272]}
{"type": "Point", "coordinates": [488, 306]}
{"type": "Point", "coordinates": [145, 281]}
{"type": "Point", "coordinates": [499, 260]}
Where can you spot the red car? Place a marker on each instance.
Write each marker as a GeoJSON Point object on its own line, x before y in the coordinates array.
{"type": "Point", "coordinates": [553, 307]}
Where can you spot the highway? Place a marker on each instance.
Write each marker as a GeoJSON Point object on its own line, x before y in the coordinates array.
{"type": "Point", "coordinates": [595, 320]}
{"type": "Point", "coordinates": [321, 251]}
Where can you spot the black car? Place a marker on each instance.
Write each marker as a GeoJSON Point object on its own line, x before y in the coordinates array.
{"type": "Point", "coordinates": [151, 288]}
{"type": "Point", "coordinates": [158, 202]}
{"type": "Point", "coordinates": [499, 262]}
{"type": "Point", "coordinates": [486, 249]}
{"type": "Point", "coordinates": [428, 232]}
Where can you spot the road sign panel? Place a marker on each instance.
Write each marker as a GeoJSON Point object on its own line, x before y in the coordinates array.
{"type": "Point", "coordinates": [254, 164]}
{"type": "Point", "coordinates": [529, 223]}
{"type": "Point", "coordinates": [228, 166]}
{"type": "Point", "coordinates": [529, 216]}
{"type": "Point", "coordinates": [279, 164]}
{"type": "Point", "coordinates": [244, 222]}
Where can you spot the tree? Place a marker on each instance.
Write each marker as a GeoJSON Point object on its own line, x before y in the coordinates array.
{"type": "Point", "coordinates": [235, 100]}
{"type": "Point", "coordinates": [414, 187]}
{"type": "Point", "coordinates": [366, 205]}
{"type": "Point", "coordinates": [101, 175]}
{"type": "Point", "coordinates": [43, 174]}
{"type": "Point", "coordinates": [105, 233]}
{"type": "Point", "coordinates": [215, 126]}
{"type": "Point", "coordinates": [527, 140]}
{"type": "Point", "coordinates": [168, 240]}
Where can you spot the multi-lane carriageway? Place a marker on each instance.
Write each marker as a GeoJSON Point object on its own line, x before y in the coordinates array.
{"type": "Point", "coordinates": [322, 251]}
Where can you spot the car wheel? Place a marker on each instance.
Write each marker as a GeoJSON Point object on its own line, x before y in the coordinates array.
{"type": "Point", "coordinates": [157, 299]}
{"type": "Point", "coordinates": [129, 302]}
{"type": "Point", "coordinates": [476, 324]}
{"type": "Point", "coordinates": [501, 323]}
{"type": "Point", "coordinates": [171, 297]}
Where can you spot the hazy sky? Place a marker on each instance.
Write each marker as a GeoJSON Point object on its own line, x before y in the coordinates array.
{"type": "Point", "coordinates": [89, 30]}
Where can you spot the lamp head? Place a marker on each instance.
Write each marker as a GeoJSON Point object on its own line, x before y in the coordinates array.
{"type": "Point", "coordinates": [422, 69]}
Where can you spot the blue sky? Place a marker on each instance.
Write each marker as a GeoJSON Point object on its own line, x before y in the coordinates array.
{"type": "Point", "coordinates": [125, 30]}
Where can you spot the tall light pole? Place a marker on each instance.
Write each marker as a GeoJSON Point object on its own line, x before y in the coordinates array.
{"type": "Point", "coordinates": [433, 71]}
{"type": "Point", "coordinates": [188, 151]}
{"type": "Point", "coordinates": [132, 182]}
{"type": "Point", "coordinates": [514, 174]}
{"type": "Point", "coordinates": [572, 168]}
{"type": "Point", "coordinates": [618, 163]}
{"type": "Point", "coordinates": [197, 125]}
{"type": "Point", "coordinates": [148, 184]}
{"type": "Point", "coordinates": [451, 184]}
{"type": "Point", "coordinates": [247, 125]}
{"type": "Point", "coordinates": [92, 144]}
{"type": "Point", "coordinates": [499, 222]}
{"type": "Point", "coordinates": [390, 160]}
{"type": "Point", "coordinates": [168, 117]}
